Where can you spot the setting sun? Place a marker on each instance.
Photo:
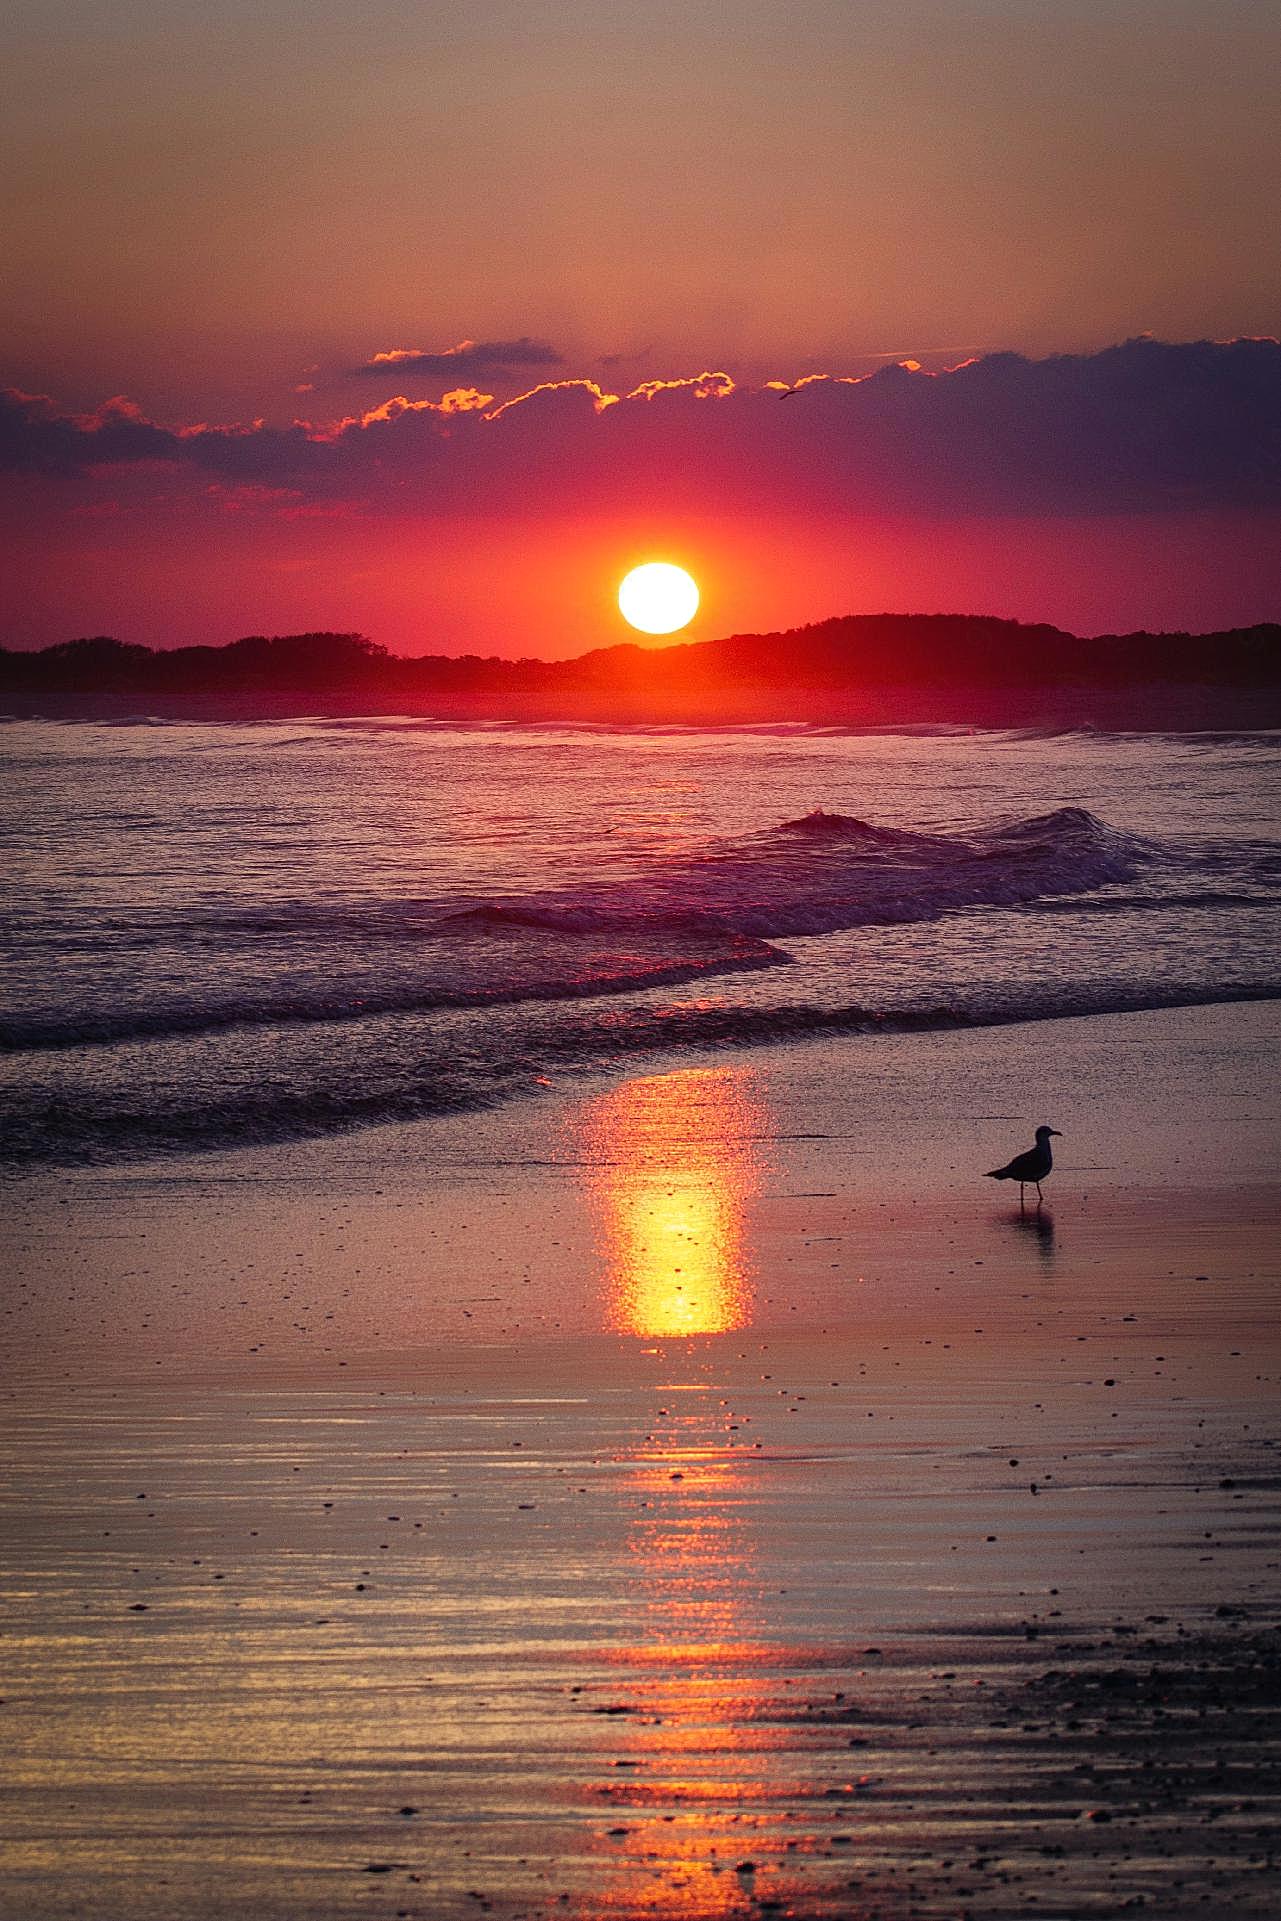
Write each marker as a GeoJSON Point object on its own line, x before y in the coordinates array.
{"type": "Point", "coordinates": [658, 598]}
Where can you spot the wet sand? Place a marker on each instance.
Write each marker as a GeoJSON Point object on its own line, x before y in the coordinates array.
{"type": "Point", "coordinates": [697, 1494]}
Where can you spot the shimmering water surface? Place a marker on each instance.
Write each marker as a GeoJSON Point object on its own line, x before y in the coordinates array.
{"type": "Point", "coordinates": [226, 934]}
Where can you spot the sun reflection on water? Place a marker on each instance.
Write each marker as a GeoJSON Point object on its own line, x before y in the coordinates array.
{"type": "Point", "coordinates": [675, 1166]}
{"type": "Point", "coordinates": [705, 1777]}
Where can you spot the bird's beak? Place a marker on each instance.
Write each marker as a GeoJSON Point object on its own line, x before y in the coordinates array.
{"type": "Point", "coordinates": [1056, 1134]}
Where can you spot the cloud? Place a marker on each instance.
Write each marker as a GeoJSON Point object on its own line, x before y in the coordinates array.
{"type": "Point", "coordinates": [1139, 428]}
{"type": "Point", "coordinates": [580, 389]}
{"type": "Point", "coordinates": [480, 357]}
{"type": "Point", "coordinates": [704, 386]}
{"type": "Point", "coordinates": [35, 437]}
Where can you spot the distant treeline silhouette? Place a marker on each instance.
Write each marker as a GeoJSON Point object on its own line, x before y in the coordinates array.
{"type": "Point", "coordinates": [884, 668]}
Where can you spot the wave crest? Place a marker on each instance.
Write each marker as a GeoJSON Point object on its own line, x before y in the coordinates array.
{"type": "Point", "coordinates": [828, 871]}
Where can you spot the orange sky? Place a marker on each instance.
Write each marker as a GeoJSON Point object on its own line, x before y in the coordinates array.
{"type": "Point", "coordinates": [235, 215]}
{"type": "Point", "coordinates": [206, 207]}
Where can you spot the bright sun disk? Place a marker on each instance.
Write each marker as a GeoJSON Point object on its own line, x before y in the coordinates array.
{"type": "Point", "coordinates": [658, 597]}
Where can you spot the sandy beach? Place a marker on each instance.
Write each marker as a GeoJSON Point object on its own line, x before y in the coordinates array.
{"type": "Point", "coordinates": [692, 1493]}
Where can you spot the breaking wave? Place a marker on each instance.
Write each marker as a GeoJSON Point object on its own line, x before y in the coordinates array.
{"type": "Point", "coordinates": [716, 910]}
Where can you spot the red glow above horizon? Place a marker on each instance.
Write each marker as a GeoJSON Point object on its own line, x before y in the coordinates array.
{"type": "Point", "coordinates": [454, 525]}
{"type": "Point", "coordinates": [548, 589]}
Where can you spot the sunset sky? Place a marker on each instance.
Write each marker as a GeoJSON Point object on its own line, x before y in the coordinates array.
{"type": "Point", "coordinates": [273, 275]}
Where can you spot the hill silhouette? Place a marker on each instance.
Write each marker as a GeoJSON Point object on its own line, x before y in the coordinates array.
{"type": "Point", "coordinates": [866, 669]}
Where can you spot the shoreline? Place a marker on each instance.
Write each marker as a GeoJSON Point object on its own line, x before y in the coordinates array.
{"type": "Point", "coordinates": [871, 1146]}
{"type": "Point", "coordinates": [708, 1031]}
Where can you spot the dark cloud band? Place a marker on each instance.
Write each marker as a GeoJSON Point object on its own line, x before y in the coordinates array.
{"type": "Point", "coordinates": [1146, 426]}
{"type": "Point", "coordinates": [472, 358]}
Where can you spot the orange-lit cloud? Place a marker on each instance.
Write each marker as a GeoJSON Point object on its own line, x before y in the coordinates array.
{"type": "Point", "coordinates": [118, 408]}
{"type": "Point", "coordinates": [459, 400]}
{"type": "Point", "coordinates": [598, 396]}
{"type": "Point", "coordinates": [703, 386]}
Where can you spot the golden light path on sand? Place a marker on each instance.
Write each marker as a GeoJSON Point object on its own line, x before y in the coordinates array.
{"type": "Point", "coordinates": [675, 1167]}
{"type": "Point", "coordinates": [675, 1164]}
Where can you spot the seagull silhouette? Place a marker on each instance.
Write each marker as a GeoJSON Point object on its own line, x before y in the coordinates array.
{"type": "Point", "coordinates": [1033, 1166]}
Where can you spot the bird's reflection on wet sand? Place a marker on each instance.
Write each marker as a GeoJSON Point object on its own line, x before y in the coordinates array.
{"type": "Point", "coordinates": [1037, 1225]}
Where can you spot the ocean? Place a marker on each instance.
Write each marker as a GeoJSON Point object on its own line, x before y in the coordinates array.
{"type": "Point", "coordinates": [220, 935]}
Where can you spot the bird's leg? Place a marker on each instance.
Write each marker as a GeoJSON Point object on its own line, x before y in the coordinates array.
{"type": "Point", "coordinates": [1020, 1197]}
{"type": "Point", "coordinates": [1039, 1195]}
